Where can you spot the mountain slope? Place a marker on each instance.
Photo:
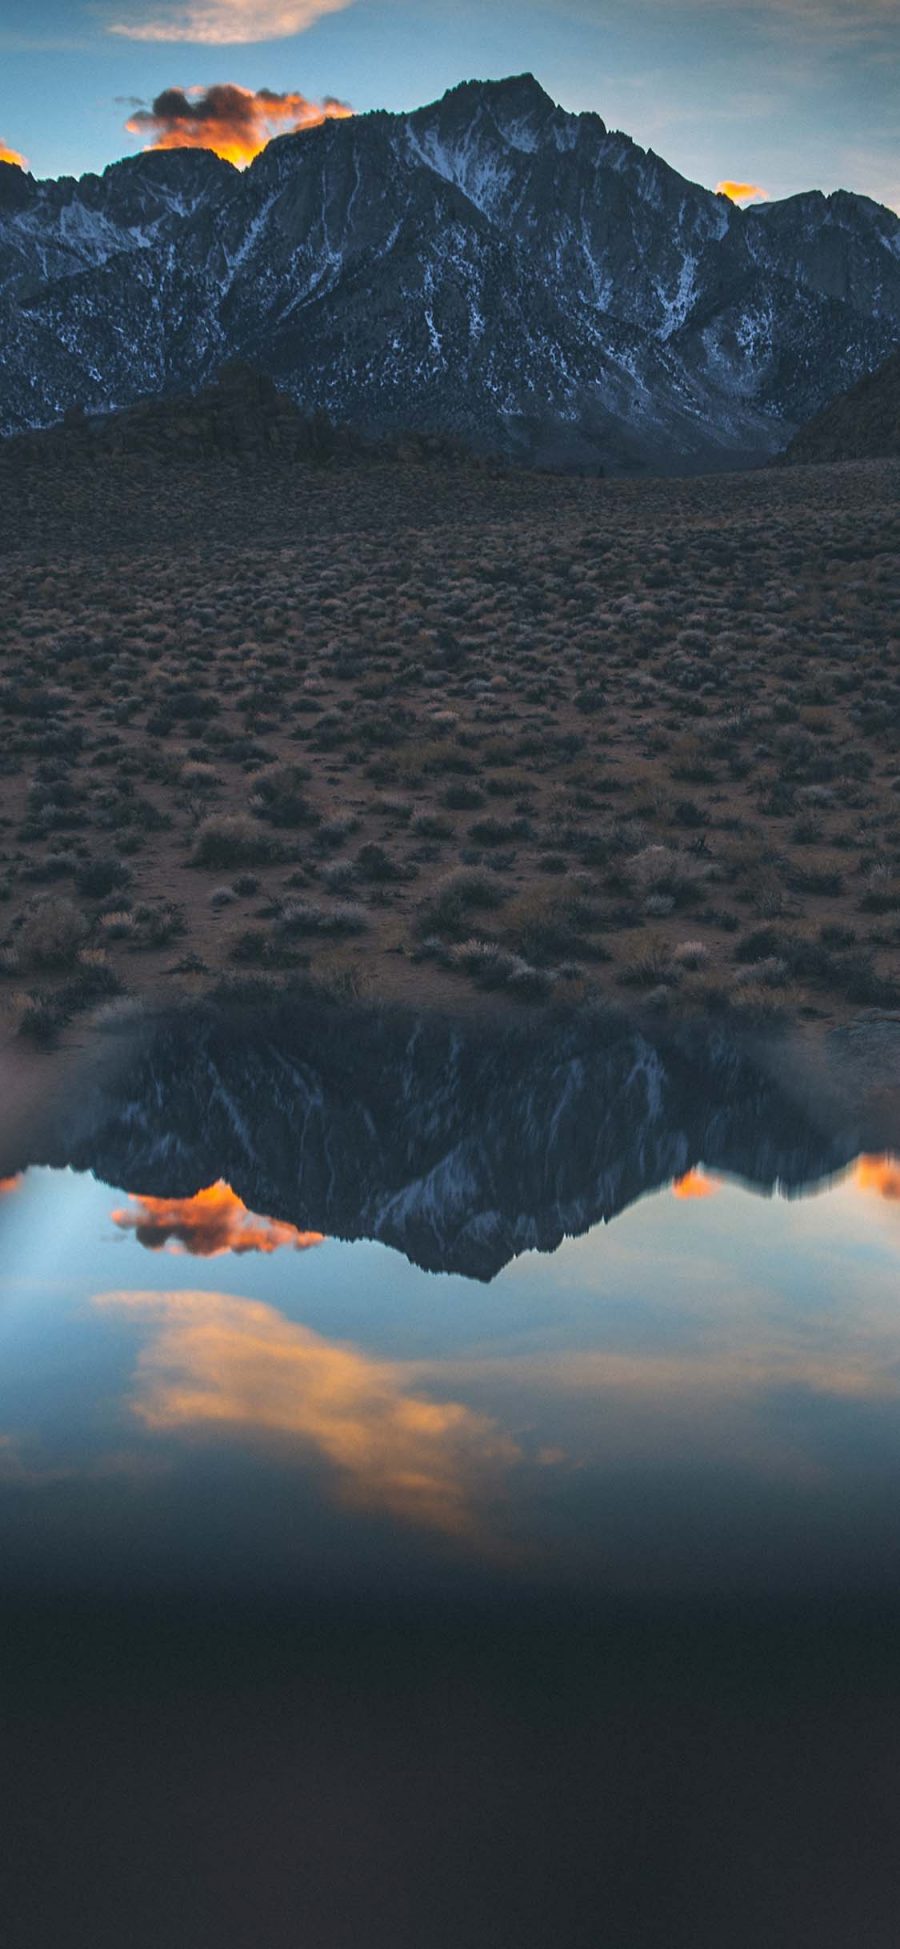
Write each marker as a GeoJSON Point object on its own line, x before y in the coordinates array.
{"type": "Point", "coordinates": [489, 265]}
{"type": "Point", "coordinates": [862, 424]}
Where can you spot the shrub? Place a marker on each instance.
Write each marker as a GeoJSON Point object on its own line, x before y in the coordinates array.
{"type": "Point", "coordinates": [462, 798]}
{"type": "Point", "coordinates": [498, 832]}
{"type": "Point", "coordinates": [548, 923]}
{"type": "Point", "coordinates": [447, 911]}
{"type": "Point", "coordinates": [816, 879]}
{"type": "Point", "coordinates": [94, 981]}
{"type": "Point", "coordinates": [305, 917]}
{"type": "Point", "coordinates": [339, 875]}
{"type": "Point", "coordinates": [278, 796]}
{"type": "Point", "coordinates": [232, 839]}
{"type": "Point", "coordinates": [98, 877]}
{"type": "Point", "coordinates": [52, 933]}
{"type": "Point", "coordinates": [156, 923]}
{"type": "Point", "coordinates": [117, 926]}
{"type": "Point", "coordinates": [691, 955]}
{"type": "Point", "coordinates": [374, 862]}
{"type": "Point", "coordinates": [650, 967]}
{"type": "Point", "coordinates": [430, 825]}
{"type": "Point", "coordinates": [662, 869]}
{"type": "Point", "coordinates": [529, 984]}
{"type": "Point", "coordinates": [41, 1019]}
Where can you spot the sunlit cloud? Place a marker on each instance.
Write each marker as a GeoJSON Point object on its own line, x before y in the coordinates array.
{"type": "Point", "coordinates": [226, 23]}
{"type": "Point", "coordinates": [212, 1222]}
{"type": "Point", "coordinates": [12, 155]}
{"type": "Point", "coordinates": [694, 1184]}
{"type": "Point", "coordinates": [237, 1366]}
{"type": "Point", "coordinates": [235, 122]}
{"type": "Point", "coordinates": [8, 1185]}
{"type": "Point", "coordinates": [879, 1174]}
{"type": "Point", "coordinates": [742, 192]}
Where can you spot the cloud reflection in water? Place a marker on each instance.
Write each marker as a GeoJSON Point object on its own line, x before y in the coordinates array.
{"type": "Point", "coordinates": [238, 1365]}
{"type": "Point", "coordinates": [213, 1221]}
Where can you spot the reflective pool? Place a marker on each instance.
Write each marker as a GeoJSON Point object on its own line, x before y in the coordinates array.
{"type": "Point", "coordinates": [347, 1602]}
{"type": "Point", "coordinates": [701, 1398]}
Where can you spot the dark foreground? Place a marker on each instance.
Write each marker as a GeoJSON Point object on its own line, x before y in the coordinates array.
{"type": "Point", "coordinates": [456, 1777]}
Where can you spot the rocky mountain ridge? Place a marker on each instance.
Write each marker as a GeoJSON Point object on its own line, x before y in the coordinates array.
{"type": "Point", "coordinates": [861, 424]}
{"type": "Point", "coordinates": [489, 266]}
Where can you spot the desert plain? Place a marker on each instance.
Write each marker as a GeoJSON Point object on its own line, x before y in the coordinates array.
{"type": "Point", "coordinates": [426, 732]}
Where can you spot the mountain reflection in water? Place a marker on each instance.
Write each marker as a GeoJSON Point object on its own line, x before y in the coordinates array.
{"type": "Point", "coordinates": [703, 1396]}
{"type": "Point", "coordinates": [550, 1595]}
{"type": "Point", "coordinates": [460, 1149]}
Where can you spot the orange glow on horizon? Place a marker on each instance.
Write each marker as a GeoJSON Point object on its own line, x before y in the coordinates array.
{"type": "Point", "coordinates": [214, 1221]}
{"type": "Point", "coordinates": [742, 192]}
{"type": "Point", "coordinates": [13, 156]}
{"type": "Point", "coordinates": [235, 123]}
{"type": "Point", "coordinates": [9, 1184]}
{"type": "Point", "coordinates": [694, 1185]}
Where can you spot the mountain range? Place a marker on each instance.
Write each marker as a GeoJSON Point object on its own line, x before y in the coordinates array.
{"type": "Point", "coordinates": [489, 266]}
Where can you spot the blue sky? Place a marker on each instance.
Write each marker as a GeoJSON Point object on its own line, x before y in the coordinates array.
{"type": "Point", "coordinates": [788, 94]}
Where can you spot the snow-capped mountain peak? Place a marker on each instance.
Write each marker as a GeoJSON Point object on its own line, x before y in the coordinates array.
{"type": "Point", "coordinates": [489, 264]}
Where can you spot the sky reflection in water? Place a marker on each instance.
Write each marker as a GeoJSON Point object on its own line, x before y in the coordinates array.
{"type": "Point", "coordinates": [702, 1397]}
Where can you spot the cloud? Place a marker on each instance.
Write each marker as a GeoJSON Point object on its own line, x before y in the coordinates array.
{"type": "Point", "coordinates": [237, 1366]}
{"type": "Point", "coordinates": [8, 1184]}
{"type": "Point", "coordinates": [227, 23]}
{"type": "Point", "coordinates": [694, 1185]}
{"type": "Point", "coordinates": [212, 1222]}
{"type": "Point", "coordinates": [879, 1174]}
{"type": "Point", "coordinates": [742, 192]}
{"type": "Point", "coordinates": [12, 155]}
{"type": "Point", "coordinates": [235, 122]}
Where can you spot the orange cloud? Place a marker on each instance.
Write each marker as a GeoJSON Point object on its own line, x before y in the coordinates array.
{"type": "Point", "coordinates": [13, 156]}
{"type": "Point", "coordinates": [237, 1365]}
{"type": "Point", "coordinates": [9, 1184]}
{"type": "Point", "coordinates": [694, 1185]}
{"type": "Point", "coordinates": [742, 192]}
{"type": "Point", "coordinates": [879, 1174]}
{"type": "Point", "coordinates": [213, 1222]}
{"type": "Point", "coordinates": [234, 122]}
{"type": "Point", "coordinates": [227, 23]}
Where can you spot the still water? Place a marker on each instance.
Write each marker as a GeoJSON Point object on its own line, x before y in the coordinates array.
{"type": "Point", "coordinates": [702, 1397]}
{"type": "Point", "coordinates": [347, 1602]}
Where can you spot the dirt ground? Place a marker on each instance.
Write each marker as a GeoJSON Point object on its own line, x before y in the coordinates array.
{"type": "Point", "coordinates": [419, 732]}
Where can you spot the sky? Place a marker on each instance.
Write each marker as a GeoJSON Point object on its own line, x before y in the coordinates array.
{"type": "Point", "coordinates": [783, 95]}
